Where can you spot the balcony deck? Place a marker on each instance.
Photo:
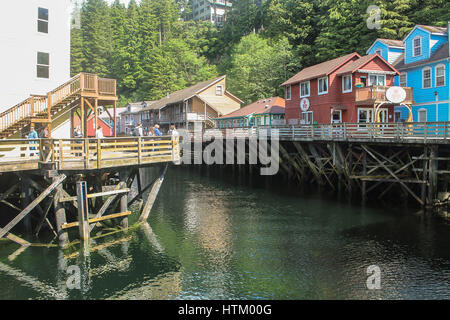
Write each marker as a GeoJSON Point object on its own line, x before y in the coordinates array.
{"type": "Point", "coordinates": [377, 94]}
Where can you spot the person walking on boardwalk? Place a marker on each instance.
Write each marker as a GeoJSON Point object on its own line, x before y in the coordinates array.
{"type": "Point", "coordinates": [157, 131]}
{"type": "Point", "coordinates": [99, 133]}
{"type": "Point", "coordinates": [33, 135]}
{"type": "Point", "coordinates": [173, 131]}
{"type": "Point", "coordinates": [140, 130]}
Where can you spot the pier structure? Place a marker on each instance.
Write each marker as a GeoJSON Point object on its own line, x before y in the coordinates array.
{"type": "Point", "coordinates": [409, 162]}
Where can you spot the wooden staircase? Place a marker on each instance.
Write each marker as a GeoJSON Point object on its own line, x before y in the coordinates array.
{"type": "Point", "coordinates": [42, 108]}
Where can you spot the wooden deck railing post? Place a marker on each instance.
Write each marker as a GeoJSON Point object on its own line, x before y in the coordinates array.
{"type": "Point", "coordinates": [60, 144]}
{"type": "Point", "coordinates": [31, 106]}
{"type": "Point", "coordinates": [49, 105]}
{"type": "Point", "coordinates": [86, 152]}
{"type": "Point", "coordinates": [139, 150]}
{"type": "Point", "coordinates": [81, 82]}
{"type": "Point", "coordinates": [99, 154]}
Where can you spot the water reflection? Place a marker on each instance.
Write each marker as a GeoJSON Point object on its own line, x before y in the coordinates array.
{"type": "Point", "coordinates": [211, 238]}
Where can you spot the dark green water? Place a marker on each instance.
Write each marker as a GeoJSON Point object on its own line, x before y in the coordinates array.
{"type": "Point", "coordinates": [212, 237]}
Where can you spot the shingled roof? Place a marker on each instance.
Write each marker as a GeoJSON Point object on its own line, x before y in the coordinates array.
{"type": "Point", "coordinates": [275, 105]}
{"type": "Point", "coordinates": [433, 29]}
{"type": "Point", "coordinates": [320, 70]}
{"type": "Point", "coordinates": [393, 43]}
{"type": "Point", "coordinates": [361, 62]}
{"type": "Point", "coordinates": [183, 94]}
{"type": "Point", "coordinates": [440, 54]}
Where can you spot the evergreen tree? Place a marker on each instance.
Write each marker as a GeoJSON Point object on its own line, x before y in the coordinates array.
{"type": "Point", "coordinates": [96, 36]}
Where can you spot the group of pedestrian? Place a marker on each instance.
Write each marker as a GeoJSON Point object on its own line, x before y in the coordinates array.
{"type": "Point", "coordinates": [152, 132]}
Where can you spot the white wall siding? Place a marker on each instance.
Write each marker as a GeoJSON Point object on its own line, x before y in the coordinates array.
{"type": "Point", "coordinates": [20, 43]}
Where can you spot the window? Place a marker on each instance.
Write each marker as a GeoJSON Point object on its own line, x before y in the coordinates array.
{"type": "Point", "coordinates": [403, 79]}
{"type": "Point", "coordinates": [288, 92]}
{"type": "Point", "coordinates": [365, 115]}
{"type": "Point", "coordinates": [336, 117]}
{"type": "Point", "coordinates": [307, 117]}
{"type": "Point", "coordinates": [397, 116]}
{"type": "Point", "coordinates": [440, 75]}
{"type": "Point", "coordinates": [347, 83]}
{"type": "Point", "coordinates": [422, 115]}
{"type": "Point", "coordinates": [417, 47]}
{"type": "Point", "coordinates": [42, 20]}
{"type": "Point", "coordinates": [304, 89]}
{"type": "Point", "coordinates": [43, 65]}
{"type": "Point", "coordinates": [323, 86]}
{"type": "Point", "coordinates": [377, 80]}
{"type": "Point", "coordinates": [426, 78]}
{"type": "Point", "coordinates": [219, 91]}
{"type": "Point", "coordinates": [379, 51]}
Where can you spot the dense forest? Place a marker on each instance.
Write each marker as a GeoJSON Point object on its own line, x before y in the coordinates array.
{"type": "Point", "coordinates": [151, 50]}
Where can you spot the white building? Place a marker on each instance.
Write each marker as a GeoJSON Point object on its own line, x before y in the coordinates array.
{"type": "Point", "coordinates": [210, 10]}
{"type": "Point", "coordinates": [35, 48]}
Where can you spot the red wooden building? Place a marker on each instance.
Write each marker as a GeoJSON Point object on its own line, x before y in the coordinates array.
{"type": "Point", "coordinates": [347, 89]}
{"type": "Point", "coordinates": [106, 128]}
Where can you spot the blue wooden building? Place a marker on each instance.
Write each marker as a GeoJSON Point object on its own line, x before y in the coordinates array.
{"type": "Point", "coordinates": [424, 66]}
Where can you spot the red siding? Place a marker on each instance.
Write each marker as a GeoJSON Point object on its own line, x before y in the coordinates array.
{"type": "Point", "coordinates": [321, 105]}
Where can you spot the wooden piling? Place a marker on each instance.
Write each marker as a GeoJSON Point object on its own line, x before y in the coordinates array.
{"type": "Point", "coordinates": [61, 219]}
{"type": "Point", "coordinates": [152, 195]}
{"type": "Point", "coordinates": [83, 218]}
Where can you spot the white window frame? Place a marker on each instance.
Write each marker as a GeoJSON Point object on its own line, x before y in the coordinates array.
{"type": "Point", "coordinates": [414, 47]}
{"type": "Point", "coordinates": [308, 84]}
{"type": "Point", "coordinates": [288, 90]}
{"type": "Point", "coordinates": [340, 116]}
{"type": "Point", "coordinates": [318, 86]}
{"type": "Point", "coordinates": [421, 111]}
{"type": "Point", "coordinates": [441, 65]}
{"type": "Point", "coordinates": [343, 84]}
{"type": "Point", "coordinates": [219, 90]}
{"type": "Point", "coordinates": [423, 77]}
{"type": "Point", "coordinates": [42, 65]}
{"type": "Point", "coordinates": [43, 20]}
{"type": "Point", "coordinates": [369, 115]}
{"type": "Point", "coordinates": [303, 114]}
{"type": "Point", "coordinates": [369, 84]}
{"type": "Point", "coordinates": [405, 83]}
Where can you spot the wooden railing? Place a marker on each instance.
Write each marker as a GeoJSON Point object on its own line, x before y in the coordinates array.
{"type": "Point", "coordinates": [42, 104]}
{"type": "Point", "coordinates": [81, 154]}
{"type": "Point", "coordinates": [415, 132]}
{"type": "Point", "coordinates": [377, 94]}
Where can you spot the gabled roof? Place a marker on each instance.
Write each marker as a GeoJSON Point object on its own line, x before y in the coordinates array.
{"type": "Point", "coordinates": [433, 29]}
{"type": "Point", "coordinates": [440, 54]}
{"type": "Point", "coordinates": [274, 105]}
{"type": "Point", "coordinates": [320, 70]}
{"type": "Point", "coordinates": [183, 94]}
{"type": "Point", "coordinates": [429, 29]}
{"type": "Point", "coordinates": [389, 42]}
{"type": "Point", "coordinates": [361, 62]}
{"type": "Point", "coordinates": [393, 43]}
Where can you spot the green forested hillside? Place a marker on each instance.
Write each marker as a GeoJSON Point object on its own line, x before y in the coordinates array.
{"type": "Point", "coordinates": [150, 50]}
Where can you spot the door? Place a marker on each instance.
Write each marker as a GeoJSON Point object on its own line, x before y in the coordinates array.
{"type": "Point", "coordinates": [336, 117]}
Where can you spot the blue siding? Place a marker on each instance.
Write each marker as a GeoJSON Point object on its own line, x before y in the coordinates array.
{"type": "Point", "coordinates": [431, 112]}
{"type": "Point", "coordinates": [380, 45]}
{"type": "Point", "coordinates": [409, 46]}
{"type": "Point", "coordinates": [441, 40]}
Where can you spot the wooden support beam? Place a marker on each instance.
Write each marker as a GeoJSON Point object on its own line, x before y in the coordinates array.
{"type": "Point", "coordinates": [95, 195]}
{"type": "Point", "coordinates": [152, 195]}
{"type": "Point", "coordinates": [107, 203]}
{"type": "Point", "coordinates": [393, 175]}
{"type": "Point", "coordinates": [95, 220]}
{"type": "Point", "coordinates": [33, 204]}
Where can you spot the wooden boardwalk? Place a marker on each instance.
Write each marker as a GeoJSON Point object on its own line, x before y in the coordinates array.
{"type": "Point", "coordinates": [404, 133]}
{"type": "Point", "coordinates": [86, 154]}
